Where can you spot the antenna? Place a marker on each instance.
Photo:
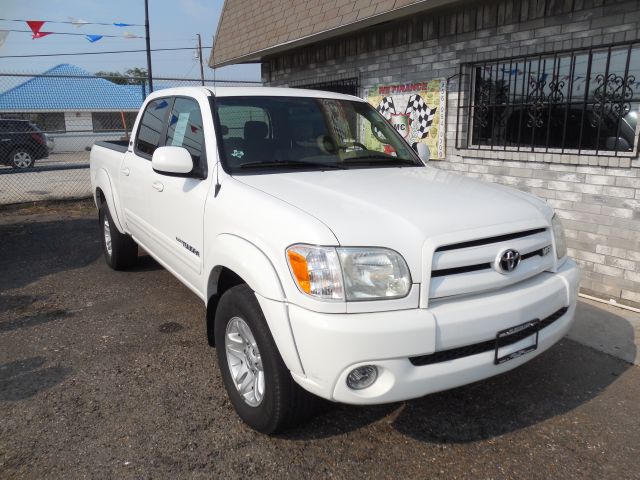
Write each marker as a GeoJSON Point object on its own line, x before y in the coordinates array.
{"type": "Point", "coordinates": [200, 59]}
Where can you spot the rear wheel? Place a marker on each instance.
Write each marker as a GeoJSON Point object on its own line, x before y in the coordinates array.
{"type": "Point", "coordinates": [257, 381]}
{"type": "Point", "coordinates": [21, 158]}
{"type": "Point", "coordinates": [120, 251]}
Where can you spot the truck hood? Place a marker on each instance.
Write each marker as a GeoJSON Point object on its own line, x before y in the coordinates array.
{"type": "Point", "coordinates": [401, 208]}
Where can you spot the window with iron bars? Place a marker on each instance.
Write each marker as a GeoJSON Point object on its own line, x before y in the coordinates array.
{"type": "Point", "coordinates": [347, 86]}
{"type": "Point", "coordinates": [574, 102]}
{"type": "Point", "coordinates": [50, 122]}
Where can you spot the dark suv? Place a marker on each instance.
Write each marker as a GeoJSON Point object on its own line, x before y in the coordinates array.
{"type": "Point", "coordinates": [21, 143]}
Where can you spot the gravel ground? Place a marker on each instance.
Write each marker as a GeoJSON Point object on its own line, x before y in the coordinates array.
{"type": "Point", "coordinates": [108, 375]}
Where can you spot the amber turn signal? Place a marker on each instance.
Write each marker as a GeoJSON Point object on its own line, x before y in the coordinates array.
{"type": "Point", "coordinates": [300, 270]}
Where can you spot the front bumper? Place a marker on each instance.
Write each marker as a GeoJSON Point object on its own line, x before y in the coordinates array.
{"type": "Point", "coordinates": [331, 345]}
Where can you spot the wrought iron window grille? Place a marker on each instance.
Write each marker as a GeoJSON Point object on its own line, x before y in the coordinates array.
{"type": "Point", "coordinates": [584, 101]}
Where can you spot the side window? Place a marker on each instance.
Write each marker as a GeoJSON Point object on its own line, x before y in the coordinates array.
{"type": "Point", "coordinates": [185, 128]}
{"type": "Point", "coordinates": [151, 126]}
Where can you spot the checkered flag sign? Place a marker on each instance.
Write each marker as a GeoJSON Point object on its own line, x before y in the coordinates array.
{"type": "Point", "coordinates": [421, 116]}
{"type": "Point", "coordinates": [386, 109]}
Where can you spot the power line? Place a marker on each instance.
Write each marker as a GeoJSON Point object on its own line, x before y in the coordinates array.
{"type": "Point", "coordinates": [96, 53]}
{"type": "Point", "coordinates": [70, 33]}
{"type": "Point", "coordinates": [78, 22]}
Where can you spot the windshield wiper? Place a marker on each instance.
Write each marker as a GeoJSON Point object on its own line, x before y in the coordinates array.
{"type": "Point", "coordinates": [291, 163]}
{"type": "Point", "coordinates": [373, 158]}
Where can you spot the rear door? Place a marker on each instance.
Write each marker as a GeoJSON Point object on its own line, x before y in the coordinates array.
{"type": "Point", "coordinates": [136, 175]}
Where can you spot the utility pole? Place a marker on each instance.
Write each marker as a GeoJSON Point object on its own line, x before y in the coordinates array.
{"type": "Point", "coordinates": [146, 29]}
{"type": "Point", "coordinates": [200, 57]}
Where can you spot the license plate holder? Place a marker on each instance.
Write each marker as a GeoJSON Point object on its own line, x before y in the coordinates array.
{"type": "Point", "coordinates": [514, 334]}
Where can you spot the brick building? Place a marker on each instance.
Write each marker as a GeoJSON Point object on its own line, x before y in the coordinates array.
{"type": "Point", "coordinates": [540, 95]}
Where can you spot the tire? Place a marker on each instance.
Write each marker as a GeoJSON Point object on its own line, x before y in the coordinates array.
{"type": "Point", "coordinates": [283, 402]}
{"type": "Point", "coordinates": [21, 158]}
{"type": "Point", "coordinates": [120, 250]}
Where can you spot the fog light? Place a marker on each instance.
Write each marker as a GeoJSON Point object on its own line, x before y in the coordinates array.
{"type": "Point", "coordinates": [362, 377]}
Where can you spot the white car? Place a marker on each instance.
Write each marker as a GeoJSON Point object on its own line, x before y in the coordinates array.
{"type": "Point", "coordinates": [332, 259]}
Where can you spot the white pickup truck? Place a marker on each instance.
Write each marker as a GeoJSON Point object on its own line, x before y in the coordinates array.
{"type": "Point", "coordinates": [331, 258]}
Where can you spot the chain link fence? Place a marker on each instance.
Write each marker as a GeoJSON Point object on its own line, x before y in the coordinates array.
{"type": "Point", "coordinates": [48, 123]}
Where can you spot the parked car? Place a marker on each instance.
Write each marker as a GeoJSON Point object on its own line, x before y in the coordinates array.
{"type": "Point", "coordinates": [332, 260]}
{"type": "Point", "coordinates": [21, 143]}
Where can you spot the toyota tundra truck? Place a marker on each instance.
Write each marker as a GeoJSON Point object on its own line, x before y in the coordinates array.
{"type": "Point", "coordinates": [332, 259]}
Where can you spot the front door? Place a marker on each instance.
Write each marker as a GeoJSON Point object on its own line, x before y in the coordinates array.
{"type": "Point", "coordinates": [179, 202]}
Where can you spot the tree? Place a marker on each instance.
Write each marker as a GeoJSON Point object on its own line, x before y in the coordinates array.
{"type": "Point", "coordinates": [131, 76]}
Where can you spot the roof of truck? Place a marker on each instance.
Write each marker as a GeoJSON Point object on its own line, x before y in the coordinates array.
{"type": "Point", "coordinates": [252, 92]}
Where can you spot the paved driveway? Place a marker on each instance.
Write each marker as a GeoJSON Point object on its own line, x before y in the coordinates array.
{"type": "Point", "coordinates": [108, 375]}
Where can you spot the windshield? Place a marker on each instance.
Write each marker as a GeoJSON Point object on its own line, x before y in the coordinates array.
{"type": "Point", "coordinates": [266, 134]}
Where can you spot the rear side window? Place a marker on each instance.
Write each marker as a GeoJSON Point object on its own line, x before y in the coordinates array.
{"type": "Point", "coordinates": [152, 126]}
{"type": "Point", "coordinates": [185, 128]}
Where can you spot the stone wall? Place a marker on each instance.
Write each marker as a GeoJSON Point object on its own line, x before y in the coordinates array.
{"type": "Point", "coordinates": [597, 196]}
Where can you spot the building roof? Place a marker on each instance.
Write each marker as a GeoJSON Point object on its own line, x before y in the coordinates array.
{"type": "Point", "coordinates": [63, 88]}
{"type": "Point", "coordinates": [247, 33]}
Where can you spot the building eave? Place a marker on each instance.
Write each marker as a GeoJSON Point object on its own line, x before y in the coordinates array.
{"type": "Point", "coordinates": [356, 25]}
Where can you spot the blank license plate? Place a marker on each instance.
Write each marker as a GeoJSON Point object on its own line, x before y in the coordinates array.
{"type": "Point", "coordinates": [509, 336]}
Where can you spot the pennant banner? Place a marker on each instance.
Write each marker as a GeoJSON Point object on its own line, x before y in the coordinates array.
{"type": "Point", "coordinates": [40, 35]}
{"type": "Point", "coordinates": [122, 24]}
{"type": "Point", "coordinates": [78, 22]}
{"type": "Point", "coordinates": [130, 35]}
{"type": "Point", "coordinates": [3, 37]}
{"type": "Point", "coordinates": [93, 38]}
{"type": "Point", "coordinates": [35, 26]}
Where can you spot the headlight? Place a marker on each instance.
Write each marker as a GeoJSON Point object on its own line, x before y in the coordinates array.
{"type": "Point", "coordinates": [374, 273]}
{"type": "Point", "coordinates": [559, 237]}
{"type": "Point", "coordinates": [349, 273]}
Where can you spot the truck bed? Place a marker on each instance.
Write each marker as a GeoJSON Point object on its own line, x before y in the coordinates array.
{"type": "Point", "coordinates": [117, 145]}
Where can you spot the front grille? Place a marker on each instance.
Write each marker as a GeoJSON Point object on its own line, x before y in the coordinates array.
{"type": "Point", "coordinates": [476, 348]}
{"type": "Point", "coordinates": [487, 241]}
{"type": "Point", "coordinates": [482, 266]}
{"type": "Point", "coordinates": [466, 267]}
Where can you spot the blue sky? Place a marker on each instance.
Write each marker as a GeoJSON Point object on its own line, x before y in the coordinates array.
{"type": "Point", "coordinates": [174, 23]}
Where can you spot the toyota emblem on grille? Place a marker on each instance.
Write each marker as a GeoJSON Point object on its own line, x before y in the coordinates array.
{"type": "Point", "coordinates": [507, 261]}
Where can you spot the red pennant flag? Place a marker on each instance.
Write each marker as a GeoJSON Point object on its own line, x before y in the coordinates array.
{"type": "Point", "coordinates": [40, 35]}
{"type": "Point", "coordinates": [35, 25]}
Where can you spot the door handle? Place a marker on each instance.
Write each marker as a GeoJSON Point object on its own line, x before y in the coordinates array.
{"type": "Point", "coordinates": [125, 171]}
{"type": "Point", "coordinates": [158, 186]}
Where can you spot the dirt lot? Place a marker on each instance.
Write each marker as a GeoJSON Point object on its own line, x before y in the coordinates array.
{"type": "Point", "coordinates": [108, 375]}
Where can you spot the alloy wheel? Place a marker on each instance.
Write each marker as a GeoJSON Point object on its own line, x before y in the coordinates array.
{"type": "Point", "coordinates": [244, 361]}
{"type": "Point", "coordinates": [22, 159]}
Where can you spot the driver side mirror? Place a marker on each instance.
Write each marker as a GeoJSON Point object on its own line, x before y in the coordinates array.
{"type": "Point", "coordinates": [172, 161]}
{"type": "Point", "coordinates": [423, 151]}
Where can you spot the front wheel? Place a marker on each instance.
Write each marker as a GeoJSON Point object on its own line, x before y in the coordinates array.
{"type": "Point", "coordinates": [120, 250]}
{"type": "Point", "coordinates": [257, 381]}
